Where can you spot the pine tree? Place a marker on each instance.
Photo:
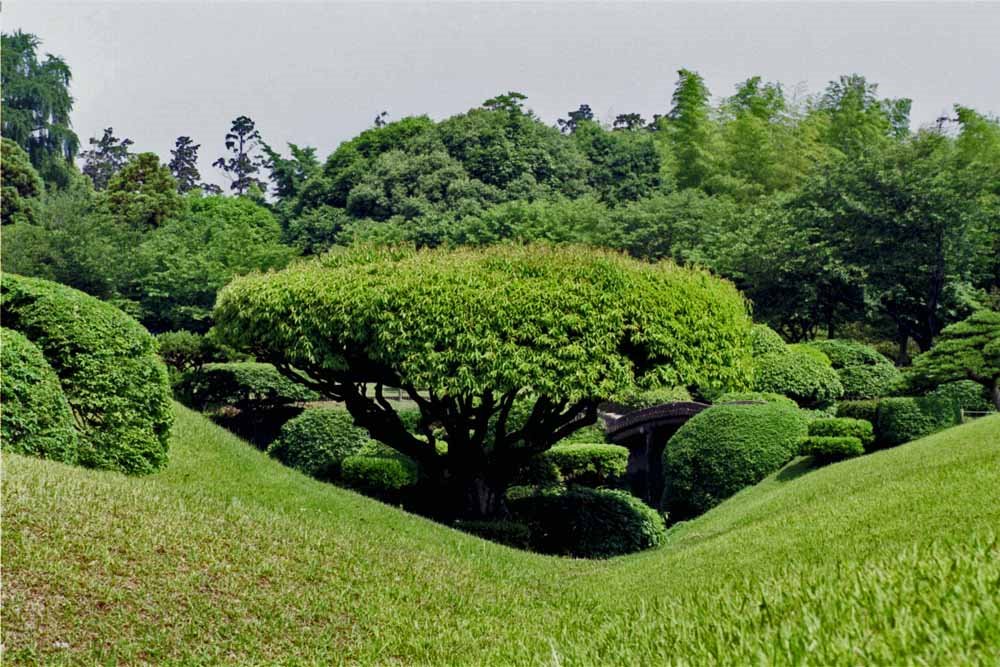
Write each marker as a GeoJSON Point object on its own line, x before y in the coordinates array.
{"type": "Point", "coordinates": [184, 164]}
{"type": "Point", "coordinates": [242, 168]}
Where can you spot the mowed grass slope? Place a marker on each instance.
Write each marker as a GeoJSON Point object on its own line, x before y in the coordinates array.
{"type": "Point", "coordinates": [227, 557]}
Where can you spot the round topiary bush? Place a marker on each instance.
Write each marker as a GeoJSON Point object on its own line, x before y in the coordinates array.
{"type": "Point", "coordinates": [765, 340]}
{"type": "Point", "coordinates": [107, 366]}
{"type": "Point", "coordinates": [589, 523]}
{"type": "Point", "coordinates": [384, 476]}
{"type": "Point", "coordinates": [724, 449]}
{"type": "Point", "coordinates": [970, 396]}
{"type": "Point", "coordinates": [903, 419]}
{"type": "Point", "coordinates": [867, 410]}
{"type": "Point", "coordinates": [35, 418]}
{"type": "Point", "coordinates": [843, 353]}
{"type": "Point", "coordinates": [317, 441]}
{"type": "Point", "coordinates": [801, 377]}
{"type": "Point", "coordinates": [867, 382]}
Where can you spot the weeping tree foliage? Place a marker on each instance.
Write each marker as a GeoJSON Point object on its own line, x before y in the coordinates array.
{"type": "Point", "coordinates": [507, 349]}
{"type": "Point", "coordinates": [37, 104]}
{"type": "Point", "coordinates": [966, 350]}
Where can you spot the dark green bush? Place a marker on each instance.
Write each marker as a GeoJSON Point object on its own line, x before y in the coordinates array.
{"type": "Point", "coordinates": [317, 441]}
{"type": "Point", "coordinates": [724, 449]}
{"type": "Point", "coordinates": [756, 397]}
{"type": "Point", "coordinates": [828, 448]}
{"type": "Point", "coordinates": [871, 381]}
{"type": "Point", "coordinates": [184, 351]}
{"type": "Point", "coordinates": [861, 429]}
{"type": "Point", "coordinates": [799, 376]}
{"type": "Point", "coordinates": [512, 533]}
{"type": "Point", "coordinates": [584, 464]}
{"type": "Point", "coordinates": [808, 350]}
{"type": "Point", "coordinates": [901, 420]}
{"type": "Point", "coordinates": [765, 340]}
{"type": "Point", "coordinates": [380, 476]}
{"type": "Point", "coordinates": [843, 353]}
{"type": "Point", "coordinates": [107, 366]}
{"type": "Point", "coordinates": [867, 410]}
{"type": "Point", "coordinates": [969, 395]}
{"type": "Point", "coordinates": [35, 418]}
{"type": "Point", "coordinates": [589, 523]}
{"type": "Point", "coordinates": [247, 386]}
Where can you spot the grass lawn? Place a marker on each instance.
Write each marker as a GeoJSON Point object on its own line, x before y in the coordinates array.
{"type": "Point", "coordinates": [227, 557]}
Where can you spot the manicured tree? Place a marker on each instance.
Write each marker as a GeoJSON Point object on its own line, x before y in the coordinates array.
{"type": "Point", "coordinates": [508, 349]}
{"type": "Point", "coordinates": [966, 350]}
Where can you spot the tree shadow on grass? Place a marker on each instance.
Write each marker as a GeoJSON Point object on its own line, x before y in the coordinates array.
{"type": "Point", "coordinates": [797, 468]}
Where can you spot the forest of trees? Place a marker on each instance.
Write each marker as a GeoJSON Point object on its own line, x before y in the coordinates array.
{"type": "Point", "coordinates": [828, 211]}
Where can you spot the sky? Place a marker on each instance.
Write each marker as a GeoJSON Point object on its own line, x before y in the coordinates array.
{"type": "Point", "coordinates": [316, 74]}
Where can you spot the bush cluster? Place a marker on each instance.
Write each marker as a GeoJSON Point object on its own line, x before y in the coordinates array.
{"type": "Point", "coordinates": [248, 386]}
{"type": "Point", "coordinates": [108, 369]}
{"type": "Point", "coordinates": [901, 420]}
{"type": "Point", "coordinates": [754, 397]}
{"type": "Point", "coordinates": [866, 409]}
{"type": "Point", "coordinates": [589, 523]}
{"type": "Point", "coordinates": [35, 418]}
{"type": "Point", "coordinates": [845, 353]}
{"type": "Point", "coordinates": [724, 449]}
{"type": "Point", "coordinates": [844, 427]}
{"type": "Point", "coordinates": [798, 375]}
{"type": "Point", "coordinates": [829, 448]}
{"type": "Point", "coordinates": [582, 464]}
{"type": "Point", "coordinates": [317, 441]}
{"type": "Point", "coordinates": [765, 340]}
{"type": "Point", "coordinates": [863, 371]}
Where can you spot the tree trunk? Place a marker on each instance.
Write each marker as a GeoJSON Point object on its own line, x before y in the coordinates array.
{"type": "Point", "coordinates": [995, 393]}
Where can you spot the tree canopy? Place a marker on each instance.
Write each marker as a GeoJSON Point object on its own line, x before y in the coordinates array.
{"type": "Point", "coordinates": [966, 350]}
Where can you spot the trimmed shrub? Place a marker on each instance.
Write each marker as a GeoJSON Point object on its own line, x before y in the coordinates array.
{"type": "Point", "coordinates": [805, 348]}
{"type": "Point", "coordinates": [843, 427]}
{"type": "Point", "coordinates": [765, 340]}
{"type": "Point", "coordinates": [317, 441]}
{"type": "Point", "coordinates": [638, 399]}
{"type": "Point", "coordinates": [724, 449]}
{"type": "Point", "coordinates": [512, 533]}
{"type": "Point", "coordinates": [586, 435]}
{"type": "Point", "coordinates": [867, 382]}
{"type": "Point", "coordinates": [799, 376]}
{"type": "Point", "coordinates": [831, 448]}
{"type": "Point", "coordinates": [867, 410]}
{"type": "Point", "coordinates": [756, 397]}
{"type": "Point", "coordinates": [589, 523]}
{"type": "Point", "coordinates": [584, 464]}
{"type": "Point", "coordinates": [969, 395]}
{"type": "Point", "coordinates": [246, 385]}
{"type": "Point", "coordinates": [108, 369]}
{"type": "Point", "coordinates": [843, 353]}
{"type": "Point", "coordinates": [383, 476]}
{"type": "Point", "coordinates": [901, 420]}
{"type": "Point", "coordinates": [35, 418]}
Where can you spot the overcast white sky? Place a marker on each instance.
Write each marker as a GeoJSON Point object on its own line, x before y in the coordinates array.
{"type": "Point", "coordinates": [316, 74]}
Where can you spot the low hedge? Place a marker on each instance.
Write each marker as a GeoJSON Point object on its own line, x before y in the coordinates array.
{"type": "Point", "coordinates": [867, 410]}
{"type": "Point", "coordinates": [589, 523]}
{"type": "Point", "coordinates": [35, 418]}
{"type": "Point", "coordinates": [969, 395]}
{"type": "Point", "coordinates": [638, 399]}
{"type": "Point", "coordinates": [724, 449]}
{"type": "Point", "coordinates": [843, 427]}
{"type": "Point", "coordinates": [584, 464]}
{"type": "Point", "coordinates": [108, 369]}
{"type": "Point", "coordinates": [797, 375]}
{"type": "Point", "coordinates": [317, 441]}
{"type": "Point", "coordinates": [901, 420]}
{"type": "Point", "coordinates": [246, 385]}
{"type": "Point", "coordinates": [512, 533]}
{"type": "Point", "coordinates": [755, 397]}
{"type": "Point", "coordinates": [831, 448]}
{"type": "Point", "coordinates": [383, 476]}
